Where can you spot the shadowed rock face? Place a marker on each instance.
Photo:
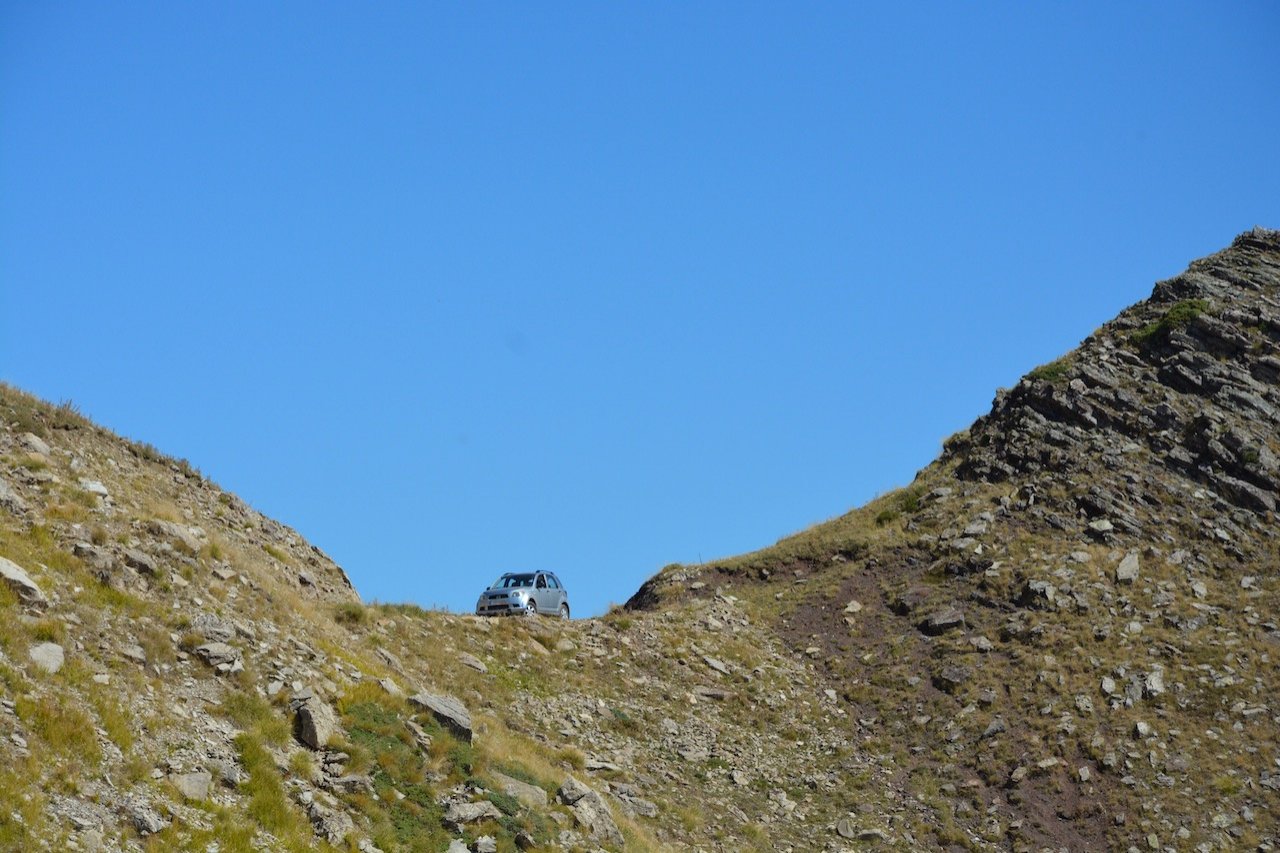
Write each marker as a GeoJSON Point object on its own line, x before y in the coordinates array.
{"type": "Point", "coordinates": [1182, 386]}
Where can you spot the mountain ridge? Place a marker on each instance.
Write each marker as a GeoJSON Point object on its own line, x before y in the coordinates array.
{"type": "Point", "coordinates": [1059, 636]}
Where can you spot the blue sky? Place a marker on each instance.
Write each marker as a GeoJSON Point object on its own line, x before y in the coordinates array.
{"type": "Point", "coordinates": [456, 289]}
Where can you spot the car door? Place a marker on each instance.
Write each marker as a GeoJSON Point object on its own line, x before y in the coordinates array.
{"type": "Point", "coordinates": [542, 594]}
{"type": "Point", "coordinates": [559, 596]}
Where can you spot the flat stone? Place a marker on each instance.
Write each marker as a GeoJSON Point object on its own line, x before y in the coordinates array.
{"type": "Point", "coordinates": [139, 560]}
{"type": "Point", "coordinates": [20, 582]}
{"type": "Point", "coordinates": [134, 653]}
{"type": "Point", "coordinates": [47, 656]}
{"type": "Point", "coordinates": [472, 661]}
{"type": "Point", "coordinates": [34, 443]}
{"type": "Point", "coordinates": [193, 786]}
{"type": "Point", "coordinates": [218, 654]}
{"type": "Point", "coordinates": [529, 795]}
{"type": "Point", "coordinates": [718, 665]}
{"type": "Point", "coordinates": [448, 711]}
{"type": "Point", "coordinates": [461, 814]}
{"type": "Point", "coordinates": [941, 621]}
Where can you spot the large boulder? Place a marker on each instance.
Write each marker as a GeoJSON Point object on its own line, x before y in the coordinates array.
{"type": "Point", "coordinates": [590, 812]}
{"type": "Point", "coordinates": [448, 711]}
{"type": "Point", "coordinates": [314, 722]}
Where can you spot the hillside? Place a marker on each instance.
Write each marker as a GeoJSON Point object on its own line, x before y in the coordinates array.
{"type": "Point", "coordinates": [1063, 630]}
{"type": "Point", "coordinates": [1058, 636]}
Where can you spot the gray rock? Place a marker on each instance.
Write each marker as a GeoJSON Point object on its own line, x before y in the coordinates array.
{"type": "Point", "coordinates": [472, 661]}
{"type": "Point", "coordinates": [1127, 571]}
{"type": "Point", "coordinates": [20, 582]}
{"type": "Point", "coordinates": [1153, 684]}
{"type": "Point", "coordinates": [34, 443]}
{"type": "Point", "coordinates": [457, 845]}
{"type": "Point", "coordinates": [353, 783]}
{"type": "Point", "coordinates": [333, 825]}
{"type": "Point", "coordinates": [448, 711]}
{"type": "Point", "coordinates": [529, 795]}
{"type": "Point", "coordinates": [138, 560]}
{"type": "Point", "coordinates": [187, 537]}
{"type": "Point", "coordinates": [193, 786]}
{"type": "Point", "coordinates": [95, 487]}
{"type": "Point", "coordinates": [950, 678]}
{"type": "Point", "coordinates": [10, 500]}
{"type": "Point", "coordinates": [135, 653]}
{"type": "Point", "coordinates": [461, 814]}
{"type": "Point", "coordinates": [1039, 594]}
{"type": "Point", "coordinates": [941, 621]}
{"type": "Point", "coordinates": [718, 665]}
{"type": "Point", "coordinates": [145, 819]}
{"type": "Point", "coordinates": [314, 722]}
{"type": "Point", "coordinates": [47, 656]}
{"type": "Point", "coordinates": [845, 828]}
{"type": "Point", "coordinates": [420, 736]}
{"type": "Point", "coordinates": [486, 844]}
{"type": "Point", "coordinates": [590, 812]}
{"type": "Point", "coordinates": [218, 655]}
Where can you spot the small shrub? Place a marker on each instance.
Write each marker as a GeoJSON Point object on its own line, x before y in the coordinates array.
{"type": "Point", "coordinates": [1053, 372]}
{"type": "Point", "coordinates": [350, 613]}
{"type": "Point", "coordinates": [1179, 316]}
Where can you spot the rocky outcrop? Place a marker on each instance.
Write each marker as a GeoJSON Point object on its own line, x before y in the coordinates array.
{"type": "Point", "coordinates": [448, 711]}
{"type": "Point", "coordinates": [590, 811]}
{"type": "Point", "coordinates": [1186, 380]}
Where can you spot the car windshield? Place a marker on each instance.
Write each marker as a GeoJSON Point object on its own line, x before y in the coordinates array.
{"type": "Point", "coordinates": [512, 581]}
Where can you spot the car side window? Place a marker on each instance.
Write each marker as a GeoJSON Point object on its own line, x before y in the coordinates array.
{"type": "Point", "coordinates": [552, 582]}
{"type": "Point", "coordinates": [542, 582]}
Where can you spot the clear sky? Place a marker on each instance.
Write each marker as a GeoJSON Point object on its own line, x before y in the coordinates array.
{"type": "Point", "coordinates": [457, 289]}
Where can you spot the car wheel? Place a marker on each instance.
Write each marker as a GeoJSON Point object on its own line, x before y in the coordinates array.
{"type": "Point", "coordinates": [564, 611]}
{"type": "Point", "coordinates": [531, 608]}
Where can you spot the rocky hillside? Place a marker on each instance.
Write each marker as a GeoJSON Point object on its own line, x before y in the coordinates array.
{"type": "Point", "coordinates": [1058, 637]}
{"type": "Point", "coordinates": [1061, 634]}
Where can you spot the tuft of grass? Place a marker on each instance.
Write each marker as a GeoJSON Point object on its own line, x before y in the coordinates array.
{"type": "Point", "coordinates": [1053, 372]}
{"type": "Point", "coordinates": [1178, 316]}
{"type": "Point", "coordinates": [63, 727]}
{"type": "Point", "coordinates": [256, 716]}
{"type": "Point", "coordinates": [268, 805]}
{"type": "Point", "coordinates": [276, 553]}
{"type": "Point", "coordinates": [350, 613]}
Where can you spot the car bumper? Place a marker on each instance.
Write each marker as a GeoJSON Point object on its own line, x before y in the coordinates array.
{"type": "Point", "coordinates": [500, 608]}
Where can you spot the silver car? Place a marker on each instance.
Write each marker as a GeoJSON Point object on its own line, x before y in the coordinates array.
{"type": "Point", "coordinates": [525, 593]}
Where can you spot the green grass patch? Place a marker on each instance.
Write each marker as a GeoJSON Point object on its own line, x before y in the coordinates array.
{"type": "Point", "coordinates": [1054, 372]}
{"type": "Point", "coordinates": [256, 716]}
{"type": "Point", "coordinates": [1178, 316]}
{"type": "Point", "coordinates": [269, 806]}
